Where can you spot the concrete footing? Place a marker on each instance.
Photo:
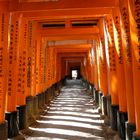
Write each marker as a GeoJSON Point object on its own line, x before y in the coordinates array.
{"type": "Point", "coordinates": [40, 100]}
{"type": "Point", "coordinates": [22, 117]}
{"type": "Point", "coordinates": [108, 105]}
{"type": "Point", "coordinates": [47, 101]}
{"type": "Point", "coordinates": [113, 116]}
{"type": "Point", "coordinates": [104, 105]}
{"type": "Point", "coordinates": [13, 129]}
{"type": "Point", "coordinates": [100, 100]}
{"type": "Point", "coordinates": [130, 129]}
{"type": "Point", "coordinates": [97, 96]}
{"type": "Point", "coordinates": [121, 119]}
{"type": "Point", "coordinates": [3, 131]}
{"type": "Point", "coordinates": [30, 110]}
{"type": "Point", "coordinates": [35, 106]}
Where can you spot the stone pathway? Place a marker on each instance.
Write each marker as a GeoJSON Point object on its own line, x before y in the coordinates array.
{"type": "Point", "coordinates": [71, 116]}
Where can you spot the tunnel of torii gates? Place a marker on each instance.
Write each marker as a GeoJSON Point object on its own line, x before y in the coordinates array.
{"type": "Point", "coordinates": [42, 40]}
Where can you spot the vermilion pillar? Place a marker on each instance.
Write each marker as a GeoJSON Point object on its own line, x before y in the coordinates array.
{"type": "Point", "coordinates": [134, 18]}
{"type": "Point", "coordinates": [53, 66]}
{"type": "Point", "coordinates": [42, 52]}
{"type": "Point", "coordinates": [29, 57]}
{"type": "Point", "coordinates": [113, 73]}
{"type": "Point", "coordinates": [95, 66]}
{"type": "Point", "coordinates": [38, 67]}
{"type": "Point", "coordinates": [122, 113]}
{"type": "Point", "coordinates": [22, 63]}
{"type": "Point", "coordinates": [103, 59]}
{"type": "Point", "coordinates": [31, 99]}
{"type": "Point", "coordinates": [98, 50]}
{"type": "Point", "coordinates": [33, 49]}
{"type": "Point", "coordinates": [103, 67]}
{"type": "Point", "coordinates": [22, 73]}
{"type": "Point", "coordinates": [4, 16]}
{"type": "Point", "coordinates": [49, 66]}
{"type": "Point", "coordinates": [92, 65]}
{"type": "Point", "coordinates": [11, 99]}
{"type": "Point", "coordinates": [3, 62]}
{"type": "Point", "coordinates": [127, 49]}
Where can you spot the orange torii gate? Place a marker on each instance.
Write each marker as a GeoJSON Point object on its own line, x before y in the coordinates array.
{"type": "Point", "coordinates": [29, 66]}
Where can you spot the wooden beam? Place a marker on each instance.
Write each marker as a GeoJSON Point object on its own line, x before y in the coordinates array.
{"type": "Point", "coordinates": [69, 31]}
{"type": "Point", "coordinates": [61, 4]}
{"type": "Point", "coordinates": [72, 37]}
{"type": "Point", "coordinates": [4, 5]}
{"type": "Point", "coordinates": [62, 14]}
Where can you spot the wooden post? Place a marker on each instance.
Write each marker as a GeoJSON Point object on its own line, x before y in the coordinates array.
{"type": "Point", "coordinates": [112, 74]}
{"type": "Point", "coordinates": [4, 17]}
{"type": "Point", "coordinates": [22, 73]}
{"type": "Point", "coordinates": [122, 113]}
{"type": "Point", "coordinates": [134, 17]}
{"type": "Point", "coordinates": [11, 99]}
{"type": "Point", "coordinates": [127, 54]}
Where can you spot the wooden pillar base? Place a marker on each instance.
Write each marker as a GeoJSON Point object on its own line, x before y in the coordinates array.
{"type": "Point", "coordinates": [47, 102]}
{"type": "Point", "coordinates": [130, 129]}
{"type": "Point", "coordinates": [53, 91]}
{"type": "Point", "coordinates": [97, 96]}
{"type": "Point", "coordinates": [100, 100]}
{"type": "Point", "coordinates": [43, 98]}
{"type": "Point", "coordinates": [13, 129]}
{"type": "Point", "coordinates": [22, 117]}
{"type": "Point", "coordinates": [84, 83]}
{"type": "Point", "coordinates": [30, 111]}
{"type": "Point", "coordinates": [41, 101]}
{"type": "Point", "coordinates": [90, 89]}
{"type": "Point", "coordinates": [35, 106]}
{"type": "Point", "coordinates": [121, 119]}
{"type": "Point", "coordinates": [108, 105]}
{"type": "Point", "coordinates": [104, 105]}
{"type": "Point", "coordinates": [49, 95]}
{"type": "Point", "coordinates": [94, 93]}
{"type": "Point", "coordinates": [3, 130]}
{"type": "Point", "coordinates": [113, 116]}
{"type": "Point", "coordinates": [135, 136]}
{"type": "Point", "coordinates": [93, 90]}
{"type": "Point", "coordinates": [89, 86]}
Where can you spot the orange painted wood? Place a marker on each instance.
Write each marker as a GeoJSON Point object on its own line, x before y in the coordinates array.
{"type": "Point", "coordinates": [34, 57]}
{"type": "Point", "coordinates": [68, 31]}
{"type": "Point", "coordinates": [22, 63]}
{"type": "Point", "coordinates": [29, 57]}
{"type": "Point", "coordinates": [112, 63]}
{"type": "Point", "coordinates": [12, 63]}
{"type": "Point", "coordinates": [38, 66]}
{"type": "Point", "coordinates": [3, 61]}
{"type": "Point", "coordinates": [125, 30]}
{"type": "Point", "coordinates": [103, 59]}
{"type": "Point", "coordinates": [119, 61]}
{"type": "Point", "coordinates": [135, 42]}
{"type": "Point", "coordinates": [63, 4]}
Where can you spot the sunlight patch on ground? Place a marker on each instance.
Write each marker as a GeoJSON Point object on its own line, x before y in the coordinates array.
{"type": "Point", "coordinates": [66, 108]}
{"type": "Point", "coordinates": [75, 113]}
{"type": "Point", "coordinates": [43, 138]}
{"type": "Point", "coordinates": [74, 119]}
{"type": "Point", "coordinates": [65, 132]}
{"type": "Point", "coordinates": [67, 105]}
{"type": "Point", "coordinates": [71, 123]}
{"type": "Point", "coordinates": [75, 98]}
{"type": "Point", "coordinates": [63, 102]}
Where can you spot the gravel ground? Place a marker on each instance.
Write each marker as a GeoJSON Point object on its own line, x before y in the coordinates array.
{"type": "Point", "coordinates": [73, 115]}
